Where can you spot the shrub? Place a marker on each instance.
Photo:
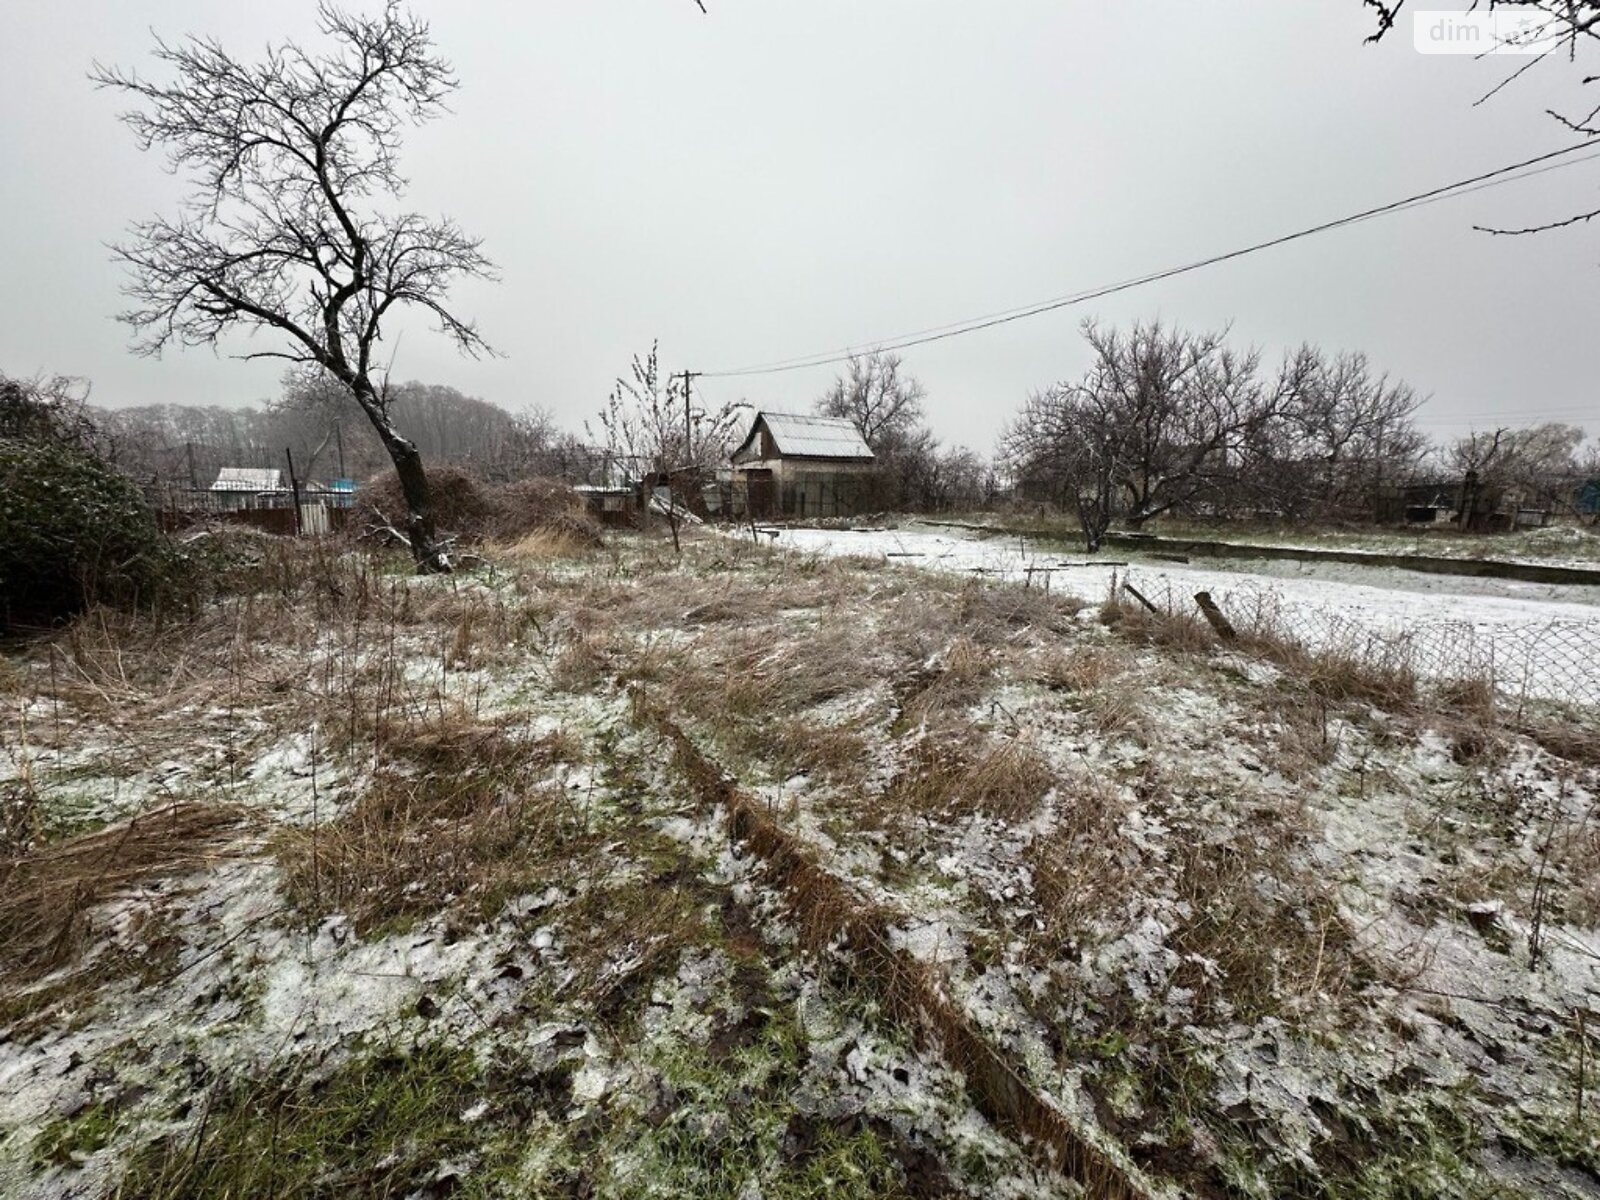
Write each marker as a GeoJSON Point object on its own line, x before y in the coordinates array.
{"type": "Point", "coordinates": [460, 505]}
{"type": "Point", "coordinates": [73, 532]}
{"type": "Point", "coordinates": [548, 506]}
{"type": "Point", "coordinates": [49, 410]}
{"type": "Point", "coordinates": [474, 512]}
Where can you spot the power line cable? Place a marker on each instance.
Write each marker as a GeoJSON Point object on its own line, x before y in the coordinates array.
{"type": "Point", "coordinates": [1502, 175]}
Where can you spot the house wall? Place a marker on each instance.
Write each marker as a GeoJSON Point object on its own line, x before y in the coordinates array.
{"type": "Point", "coordinates": [817, 490]}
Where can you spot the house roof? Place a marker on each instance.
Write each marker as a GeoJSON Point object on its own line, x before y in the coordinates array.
{"type": "Point", "coordinates": [806, 436]}
{"type": "Point", "coordinates": [248, 479]}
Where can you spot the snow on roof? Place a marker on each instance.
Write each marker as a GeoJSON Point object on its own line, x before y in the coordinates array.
{"type": "Point", "coordinates": [808, 436]}
{"type": "Point", "coordinates": [248, 479]}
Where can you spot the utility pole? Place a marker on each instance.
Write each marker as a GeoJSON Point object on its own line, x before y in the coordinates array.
{"type": "Point", "coordinates": [688, 436]}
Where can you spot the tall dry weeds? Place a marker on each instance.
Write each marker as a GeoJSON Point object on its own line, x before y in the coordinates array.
{"type": "Point", "coordinates": [48, 894]}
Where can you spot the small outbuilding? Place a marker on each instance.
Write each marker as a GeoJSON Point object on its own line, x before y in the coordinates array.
{"type": "Point", "coordinates": [250, 487]}
{"type": "Point", "coordinates": [800, 465]}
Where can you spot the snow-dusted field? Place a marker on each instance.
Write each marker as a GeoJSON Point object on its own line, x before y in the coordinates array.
{"type": "Point", "coordinates": [428, 904]}
{"type": "Point", "coordinates": [1540, 640]}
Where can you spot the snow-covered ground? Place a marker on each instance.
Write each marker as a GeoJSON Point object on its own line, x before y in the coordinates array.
{"type": "Point", "coordinates": [1216, 924]}
{"type": "Point", "coordinates": [1539, 640]}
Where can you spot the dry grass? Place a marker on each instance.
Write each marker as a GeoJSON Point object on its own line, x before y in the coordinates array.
{"type": "Point", "coordinates": [1083, 869]}
{"type": "Point", "coordinates": [1576, 742]}
{"type": "Point", "coordinates": [1179, 632]}
{"type": "Point", "coordinates": [624, 932]}
{"type": "Point", "coordinates": [955, 680]}
{"type": "Point", "coordinates": [1255, 912]}
{"type": "Point", "coordinates": [47, 896]}
{"type": "Point", "coordinates": [758, 672]}
{"type": "Point", "coordinates": [1008, 608]}
{"type": "Point", "coordinates": [943, 781]}
{"type": "Point", "coordinates": [1581, 905]}
{"type": "Point", "coordinates": [1360, 667]}
{"type": "Point", "coordinates": [831, 914]}
{"type": "Point", "coordinates": [1117, 710]}
{"type": "Point", "coordinates": [19, 814]}
{"type": "Point", "coordinates": [838, 754]}
{"type": "Point", "coordinates": [460, 817]}
{"type": "Point", "coordinates": [1270, 926]}
{"type": "Point", "coordinates": [542, 545]}
{"type": "Point", "coordinates": [412, 847]}
{"type": "Point", "coordinates": [1077, 668]}
{"type": "Point", "coordinates": [585, 660]}
{"type": "Point", "coordinates": [1389, 681]}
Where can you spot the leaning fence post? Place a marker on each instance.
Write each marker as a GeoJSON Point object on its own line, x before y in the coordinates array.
{"type": "Point", "coordinates": [1215, 616]}
{"type": "Point", "coordinates": [1138, 595]}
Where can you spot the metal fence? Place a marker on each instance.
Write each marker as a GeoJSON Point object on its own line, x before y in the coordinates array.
{"type": "Point", "coordinates": [321, 510]}
{"type": "Point", "coordinates": [1542, 659]}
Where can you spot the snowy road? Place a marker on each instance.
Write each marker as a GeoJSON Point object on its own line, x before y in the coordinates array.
{"type": "Point", "coordinates": [1538, 639]}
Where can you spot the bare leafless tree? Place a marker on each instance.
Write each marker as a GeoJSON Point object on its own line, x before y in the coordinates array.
{"type": "Point", "coordinates": [885, 403]}
{"type": "Point", "coordinates": [643, 423]}
{"type": "Point", "coordinates": [1070, 440]}
{"type": "Point", "coordinates": [879, 396]}
{"type": "Point", "coordinates": [1346, 433]}
{"type": "Point", "coordinates": [1184, 408]}
{"type": "Point", "coordinates": [1539, 465]}
{"type": "Point", "coordinates": [294, 164]}
{"type": "Point", "coordinates": [652, 426]}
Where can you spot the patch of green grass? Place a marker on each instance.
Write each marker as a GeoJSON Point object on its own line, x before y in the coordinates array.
{"type": "Point", "coordinates": [1562, 1138]}
{"type": "Point", "coordinates": [1413, 1147]}
{"type": "Point", "coordinates": [728, 1126]}
{"type": "Point", "coordinates": [68, 1141]}
{"type": "Point", "coordinates": [380, 1125]}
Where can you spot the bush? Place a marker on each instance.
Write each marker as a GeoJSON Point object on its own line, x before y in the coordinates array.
{"type": "Point", "coordinates": [73, 532]}
{"type": "Point", "coordinates": [531, 506]}
{"type": "Point", "coordinates": [474, 512]}
{"type": "Point", "coordinates": [459, 503]}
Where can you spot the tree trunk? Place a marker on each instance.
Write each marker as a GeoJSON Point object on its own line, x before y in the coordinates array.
{"type": "Point", "coordinates": [419, 528]}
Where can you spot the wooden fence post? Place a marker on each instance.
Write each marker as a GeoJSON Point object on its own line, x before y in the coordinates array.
{"type": "Point", "coordinates": [1215, 616]}
{"type": "Point", "coordinates": [1138, 595]}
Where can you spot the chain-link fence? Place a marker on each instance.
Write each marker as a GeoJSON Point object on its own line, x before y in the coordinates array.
{"type": "Point", "coordinates": [1550, 658]}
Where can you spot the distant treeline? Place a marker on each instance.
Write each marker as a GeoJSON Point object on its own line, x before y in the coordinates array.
{"type": "Point", "coordinates": [330, 437]}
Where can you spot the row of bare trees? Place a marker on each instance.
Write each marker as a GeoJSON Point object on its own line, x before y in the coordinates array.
{"type": "Point", "coordinates": [1545, 466]}
{"type": "Point", "coordinates": [1169, 421]}
{"type": "Point", "coordinates": [1164, 421]}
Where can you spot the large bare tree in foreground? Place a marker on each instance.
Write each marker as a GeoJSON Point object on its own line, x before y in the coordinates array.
{"type": "Point", "coordinates": [292, 227]}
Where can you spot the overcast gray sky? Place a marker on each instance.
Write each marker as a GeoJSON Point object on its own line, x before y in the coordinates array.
{"type": "Point", "coordinates": [781, 178]}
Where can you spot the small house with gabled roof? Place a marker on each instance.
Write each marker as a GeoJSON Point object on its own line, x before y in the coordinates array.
{"type": "Point", "coordinates": [802, 465]}
{"type": "Point", "coordinates": [249, 487]}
